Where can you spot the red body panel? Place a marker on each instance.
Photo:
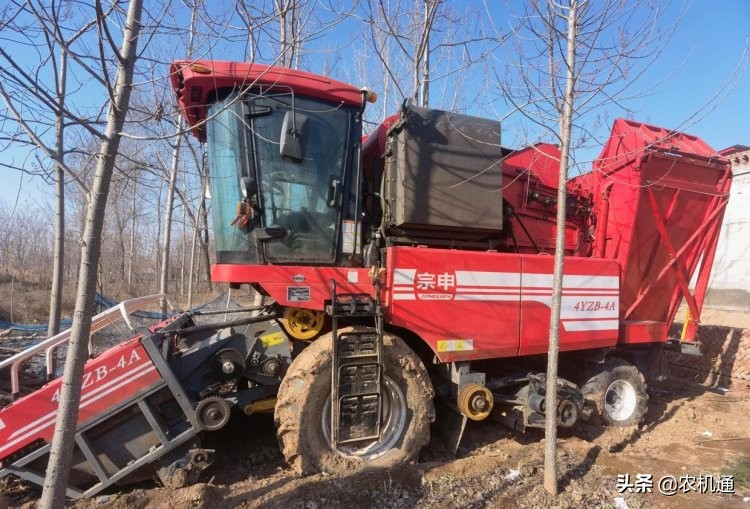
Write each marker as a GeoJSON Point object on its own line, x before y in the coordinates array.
{"type": "Point", "coordinates": [308, 287]}
{"type": "Point", "coordinates": [464, 304]}
{"type": "Point", "coordinates": [111, 378]}
{"type": "Point", "coordinates": [473, 305]}
{"type": "Point", "coordinates": [667, 193]}
{"type": "Point", "coordinates": [195, 88]}
{"type": "Point", "coordinates": [541, 160]}
{"type": "Point", "coordinates": [639, 332]}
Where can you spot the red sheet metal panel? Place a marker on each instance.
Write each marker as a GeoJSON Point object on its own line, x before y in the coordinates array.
{"type": "Point", "coordinates": [194, 81]}
{"type": "Point", "coordinates": [668, 191]}
{"type": "Point", "coordinates": [298, 286]}
{"type": "Point", "coordinates": [639, 332]}
{"type": "Point", "coordinates": [477, 305]}
{"type": "Point", "coordinates": [541, 160]}
{"type": "Point", "coordinates": [465, 305]}
{"type": "Point", "coordinates": [108, 380]}
{"type": "Point", "coordinates": [630, 140]}
{"type": "Point", "coordinates": [589, 312]}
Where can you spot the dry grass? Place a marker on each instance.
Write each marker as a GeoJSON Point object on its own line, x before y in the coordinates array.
{"type": "Point", "coordinates": [29, 304]}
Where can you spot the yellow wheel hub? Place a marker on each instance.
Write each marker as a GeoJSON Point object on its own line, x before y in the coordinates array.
{"type": "Point", "coordinates": [303, 323]}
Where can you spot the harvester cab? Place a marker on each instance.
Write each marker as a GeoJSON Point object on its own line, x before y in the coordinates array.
{"type": "Point", "coordinates": [282, 164]}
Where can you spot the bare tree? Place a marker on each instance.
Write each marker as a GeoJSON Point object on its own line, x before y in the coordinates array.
{"type": "Point", "coordinates": [44, 29]}
{"type": "Point", "coordinates": [566, 119]}
{"type": "Point", "coordinates": [418, 45]}
{"type": "Point", "coordinates": [169, 207]}
{"type": "Point", "coordinates": [38, 99]}
{"type": "Point", "coordinates": [55, 305]}
{"type": "Point", "coordinates": [570, 59]}
{"type": "Point", "coordinates": [400, 35]}
{"type": "Point", "coordinates": [63, 441]}
{"type": "Point", "coordinates": [288, 13]}
{"type": "Point", "coordinates": [279, 30]}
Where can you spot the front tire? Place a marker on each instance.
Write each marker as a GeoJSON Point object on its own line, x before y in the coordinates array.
{"type": "Point", "coordinates": [617, 392]}
{"type": "Point", "coordinates": [302, 412]}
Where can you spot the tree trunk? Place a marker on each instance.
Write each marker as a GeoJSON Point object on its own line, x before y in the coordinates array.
{"type": "Point", "coordinates": [164, 279]}
{"type": "Point", "coordinates": [296, 44]}
{"type": "Point", "coordinates": [192, 262]}
{"type": "Point", "coordinates": [203, 213]}
{"type": "Point", "coordinates": [157, 254]}
{"type": "Point", "coordinates": [121, 240]}
{"type": "Point", "coordinates": [566, 121]}
{"type": "Point", "coordinates": [58, 262]}
{"type": "Point", "coordinates": [207, 261]}
{"type": "Point", "coordinates": [425, 93]}
{"type": "Point", "coordinates": [63, 440]}
{"type": "Point", "coordinates": [132, 240]}
{"type": "Point", "coordinates": [183, 247]}
{"type": "Point", "coordinates": [282, 7]}
{"type": "Point", "coordinates": [12, 285]}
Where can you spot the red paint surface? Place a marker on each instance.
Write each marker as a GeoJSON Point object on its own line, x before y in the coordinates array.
{"type": "Point", "coordinates": [278, 279]}
{"type": "Point", "coordinates": [196, 88]}
{"type": "Point", "coordinates": [668, 192]}
{"type": "Point", "coordinates": [113, 377]}
{"type": "Point", "coordinates": [506, 318]}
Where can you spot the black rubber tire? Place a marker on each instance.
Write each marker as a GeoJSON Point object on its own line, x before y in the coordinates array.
{"type": "Point", "coordinates": [600, 385]}
{"type": "Point", "coordinates": [304, 393]}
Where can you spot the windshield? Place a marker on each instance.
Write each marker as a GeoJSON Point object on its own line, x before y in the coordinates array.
{"type": "Point", "coordinates": [296, 195]}
{"type": "Point", "coordinates": [227, 164]}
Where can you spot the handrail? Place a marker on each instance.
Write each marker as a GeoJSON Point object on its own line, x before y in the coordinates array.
{"type": "Point", "coordinates": [99, 322]}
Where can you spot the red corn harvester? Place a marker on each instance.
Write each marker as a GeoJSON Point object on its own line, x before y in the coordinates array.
{"type": "Point", "coordinates": [405, 275]}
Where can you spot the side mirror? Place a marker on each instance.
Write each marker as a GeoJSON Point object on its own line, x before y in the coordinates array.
{"type": "Point", "coordinates": [293, 136]}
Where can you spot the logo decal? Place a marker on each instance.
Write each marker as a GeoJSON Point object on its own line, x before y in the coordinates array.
{"type": "Point", "coordinates": [429, 286]}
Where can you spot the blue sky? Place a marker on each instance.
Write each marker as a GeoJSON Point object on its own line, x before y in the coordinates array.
{"type": "Point", "coordinates": [705, 51]}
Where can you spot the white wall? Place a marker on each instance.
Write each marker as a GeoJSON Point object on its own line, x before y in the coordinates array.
{"type": "Point", "coordinates": [730, 277]}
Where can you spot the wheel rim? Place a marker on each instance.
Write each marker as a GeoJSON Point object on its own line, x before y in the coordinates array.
{"type": "Point", "coordinates": [303, 324]}
{"type": "Point", "coordinates": [393, 424]}
{"type": "Point", "coordinates": [620, 400]}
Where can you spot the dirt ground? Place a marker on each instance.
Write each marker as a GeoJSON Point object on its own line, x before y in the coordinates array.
{"type": "Point", "coordinates": [689, 430]}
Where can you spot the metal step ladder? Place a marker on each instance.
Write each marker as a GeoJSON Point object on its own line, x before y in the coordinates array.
{"type": "Point", "coordinates": [357, 370]}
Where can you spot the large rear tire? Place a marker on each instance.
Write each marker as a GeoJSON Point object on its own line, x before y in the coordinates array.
{"type": "Point", "coordinates": [617, 392]}
{"type": "Point", "coordinates": [302, 412]}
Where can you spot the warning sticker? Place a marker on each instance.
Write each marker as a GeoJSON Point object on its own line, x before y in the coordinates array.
{"type": "Point", "coordinates": [455, 345]}
{"type": "Point", "coordinates": [350, 236]}
{"type": "Point", "coordinates": [298, 293]}
{"type": "Point", "coordinates": [272, 339]}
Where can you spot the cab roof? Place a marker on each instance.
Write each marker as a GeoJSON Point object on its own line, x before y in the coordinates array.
{"type": "Point", "coordinates": [196, 83]}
